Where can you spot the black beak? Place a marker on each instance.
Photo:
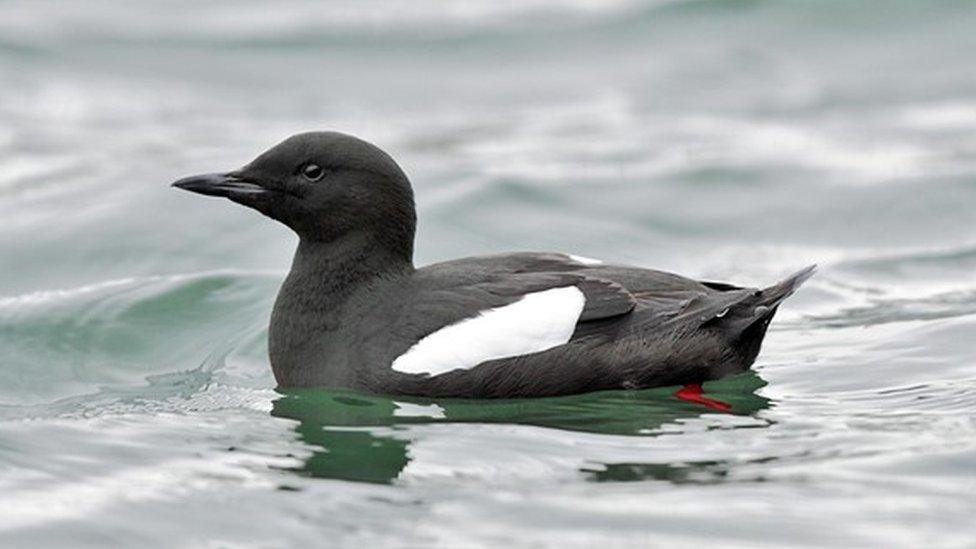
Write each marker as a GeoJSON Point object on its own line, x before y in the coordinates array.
{"type": "Point", "coordinates": [229, 185]}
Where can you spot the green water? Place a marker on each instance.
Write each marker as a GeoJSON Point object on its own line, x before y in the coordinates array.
{"type": "Point", "coordinates": [735, 140]}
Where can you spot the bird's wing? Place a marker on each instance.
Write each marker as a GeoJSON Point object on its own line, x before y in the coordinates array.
{"type": "Point", "coordinates": [601, 298]}
{"type": "Point", "coordinates": [461, 326]}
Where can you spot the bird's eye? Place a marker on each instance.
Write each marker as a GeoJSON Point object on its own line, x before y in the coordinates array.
{"type": "Point", "coordinates": [313, 172]}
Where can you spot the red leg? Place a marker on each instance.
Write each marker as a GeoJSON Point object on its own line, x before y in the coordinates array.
{"type": "Point", "coordinates": [693, 393]}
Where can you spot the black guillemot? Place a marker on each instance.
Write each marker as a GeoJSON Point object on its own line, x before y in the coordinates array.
{"type": "Point", "coordinates": [354, 312]}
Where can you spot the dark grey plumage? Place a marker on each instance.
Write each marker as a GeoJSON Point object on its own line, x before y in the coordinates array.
{"type": "Point", "coordinates": [353, 301]}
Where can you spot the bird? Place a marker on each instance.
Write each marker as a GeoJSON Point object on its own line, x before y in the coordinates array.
{"type": "Point", "coordinates": [355, 313]}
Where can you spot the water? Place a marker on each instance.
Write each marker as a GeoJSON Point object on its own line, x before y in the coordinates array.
{"type": "Point", "coordinates": [733, 140]}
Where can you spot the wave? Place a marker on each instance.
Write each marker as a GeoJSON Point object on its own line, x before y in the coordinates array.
{"type": "Point", "coordinates": [299, 22]}
{"type": "Point", "coordinates": [114, 335]}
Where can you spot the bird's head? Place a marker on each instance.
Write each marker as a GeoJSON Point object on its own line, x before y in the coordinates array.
{"type": "Point", "coordinates": [324, 186]}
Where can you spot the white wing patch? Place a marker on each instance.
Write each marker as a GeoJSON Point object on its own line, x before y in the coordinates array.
{"type": "Point", "coordinates": [538, 321]}
{"type": "Point", "coordinates": [585, 260]}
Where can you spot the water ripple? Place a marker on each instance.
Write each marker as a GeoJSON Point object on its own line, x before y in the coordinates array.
{"type": "Point", "coordinates": [118, 332]}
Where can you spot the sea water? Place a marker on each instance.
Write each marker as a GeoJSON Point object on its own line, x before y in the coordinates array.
{"type": "Point", "coordinates": [728, 140]}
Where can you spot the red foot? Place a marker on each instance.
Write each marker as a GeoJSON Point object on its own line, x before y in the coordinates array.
{"type": "Point", "coordinates": [693, 393]}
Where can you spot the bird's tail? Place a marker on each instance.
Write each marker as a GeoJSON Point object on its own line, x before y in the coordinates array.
{"type": "Point", "coordinates": [774, 295]}
{"type": "Point", "coordinates": [751, 328]}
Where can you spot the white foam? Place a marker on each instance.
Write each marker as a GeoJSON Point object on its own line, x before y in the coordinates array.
{"type": "Point", "coordinates": [407, 409]}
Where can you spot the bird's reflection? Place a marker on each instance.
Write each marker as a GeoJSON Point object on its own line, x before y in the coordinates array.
{"type": "Point", "coordinates": [360, 437]}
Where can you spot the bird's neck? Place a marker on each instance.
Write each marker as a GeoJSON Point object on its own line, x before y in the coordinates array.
{"type": "Point", "coordinates": [325, 274]}
{"type": "Point", "coordinates": [327, 284]}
